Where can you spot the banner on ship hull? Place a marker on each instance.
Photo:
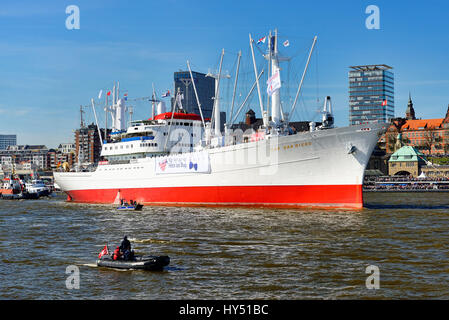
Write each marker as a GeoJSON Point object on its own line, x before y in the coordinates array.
{"type": "Point", "coordinates": [196, 162]}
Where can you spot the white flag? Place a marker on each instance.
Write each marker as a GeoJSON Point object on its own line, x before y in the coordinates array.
{"type": "Point", "coordinates": [99, 95]}
{"type": "Point", "coordinates": [286, 43]}
{"type": "Point", "coordinates": [273, 83]}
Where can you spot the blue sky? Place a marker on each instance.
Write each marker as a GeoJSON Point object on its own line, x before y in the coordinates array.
{"type": "Point", "coordinates": [48, 71]}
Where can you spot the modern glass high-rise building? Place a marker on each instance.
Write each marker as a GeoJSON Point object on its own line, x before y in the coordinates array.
{"type": "Point", "coordinates": [371, 94]}
{"type": "Point", "coordinates": [205, 87]}
{"type": "Point", "coordinates": [7, 140]}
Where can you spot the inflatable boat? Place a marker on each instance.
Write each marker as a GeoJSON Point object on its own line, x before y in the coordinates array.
{"type": "Point", "coordinates": [152, 263]}
{"type": "Point", "coordinates": [136, 207]}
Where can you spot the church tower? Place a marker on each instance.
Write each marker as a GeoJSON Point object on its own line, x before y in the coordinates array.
{"type": "Point", "coordinates": [410, 112]}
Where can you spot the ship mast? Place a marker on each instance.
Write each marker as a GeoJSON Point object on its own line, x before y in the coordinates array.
{"type": "Point", "coordinates": [96, 122]}
{"type": "Point", "coordinates": [153, 100]}
{"type": "Point", "coordinates": [274, 63]}
{"type": "Point", "coordinates": [257, 82]}
{"type": "Point", "coordinates": [106, 119]}
{"type": "Point", "coordinates": [216, 114]}
{"type": "Point", "coordinates": [196, 95]}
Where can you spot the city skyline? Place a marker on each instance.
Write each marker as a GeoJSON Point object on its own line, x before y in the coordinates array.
{"type": "Point", "coordinates": [48, 71]}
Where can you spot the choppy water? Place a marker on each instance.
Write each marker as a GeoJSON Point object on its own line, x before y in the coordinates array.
{"type": "Point", "coordinates": [219, 253]}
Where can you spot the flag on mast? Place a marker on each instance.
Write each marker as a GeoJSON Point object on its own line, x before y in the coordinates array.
{"type": "Point", "coordinates": [166, 94]}
{"type": "Point", "coordinates": [273, 83]}
{"type": "Point", "coordinates": [262, 40]}
{"type": "Point", "coordinates": [384, 103]}
{"type": "Point", "coordinates": [286, 43]}
{"type": "Point", "coordinates": [99, 94]}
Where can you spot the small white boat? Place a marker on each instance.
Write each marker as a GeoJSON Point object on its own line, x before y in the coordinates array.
{"type": "Point", "coordinates": [37, 186]}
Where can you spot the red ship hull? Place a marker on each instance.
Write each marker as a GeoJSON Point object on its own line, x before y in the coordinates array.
{"type": "Point", "coordinates": [346, 196]}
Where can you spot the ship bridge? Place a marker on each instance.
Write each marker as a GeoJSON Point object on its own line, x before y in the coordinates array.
{"type": "Point", "coordinates": [148, 138]}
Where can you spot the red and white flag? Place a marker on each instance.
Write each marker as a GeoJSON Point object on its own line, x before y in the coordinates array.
{"type": "Point", "coordinates": [286, 43]}
{"type": "Point", "coordinates": [384, 103]}
{"type": "Point", "coordinates": [262, 40]}
{"type": "Point", "coordinates": [103, 252]}
{"type": "Point", "coordinates": [273, 83]}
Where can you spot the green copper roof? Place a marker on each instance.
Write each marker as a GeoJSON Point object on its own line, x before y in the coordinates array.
{"type": "Point", "coordinates": [407, 153]}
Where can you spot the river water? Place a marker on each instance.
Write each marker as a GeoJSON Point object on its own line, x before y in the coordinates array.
{"type": "Point", "coordinates": [230, 253]}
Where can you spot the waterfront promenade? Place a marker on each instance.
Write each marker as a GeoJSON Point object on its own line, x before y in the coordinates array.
{"type": "Point", "coordinates": [405, 184]}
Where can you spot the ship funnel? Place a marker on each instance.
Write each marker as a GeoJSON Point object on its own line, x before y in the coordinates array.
{"type": "Point", "coordinates": [119, 115]}
{"type": "Point", "coordinates": [160, 107]}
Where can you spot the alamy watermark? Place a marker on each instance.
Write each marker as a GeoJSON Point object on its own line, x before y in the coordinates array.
{"type": "Point", "coordinates": [73, 280]}
{"type": "Point", "coordinates": [73, 20]}
{"type": "Point", "coordinates": [373, 280]}
{"type": "Point", "coordinates": [373, 20]}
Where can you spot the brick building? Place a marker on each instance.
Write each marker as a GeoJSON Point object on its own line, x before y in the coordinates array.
{"type": "Point", "coordinates": [88, 144]}
{"type": "Point", "coordinates": [429, 136]}
{"type": "Point", "coordinates": [64, 153]}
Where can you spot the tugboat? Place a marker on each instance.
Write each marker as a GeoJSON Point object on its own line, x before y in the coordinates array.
{"type": "Point", "coordinates": [11, 189]}
{"type": "Point", "coordinates": [15, 189]}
